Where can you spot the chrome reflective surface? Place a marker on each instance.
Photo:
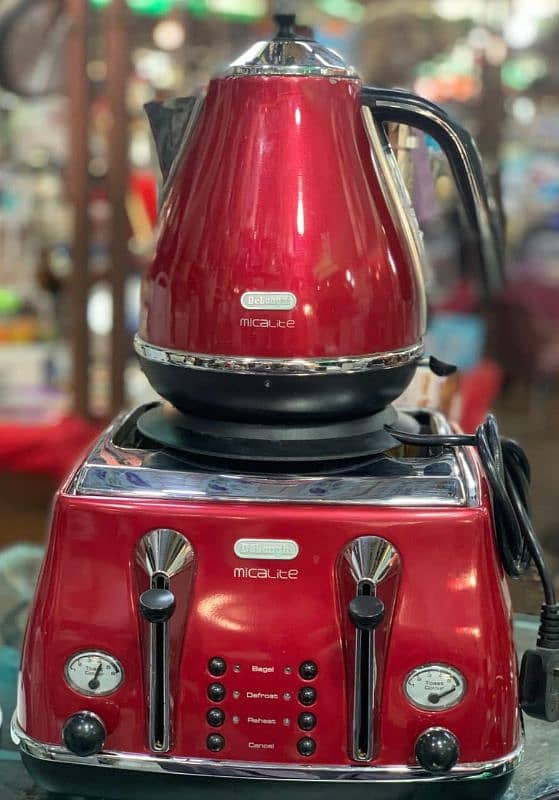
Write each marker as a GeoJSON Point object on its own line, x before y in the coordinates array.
{"type": "Point", "coordinates": [371, 559]}
{"type": "Point", "coordinates": [164, 551]}
{"type": "Point", "coordinates": [249, 770]}
{"type": "Point", "coordinates": [290, 57]}
{"type": "Point", "coordinates": [283, 366]}
{"type": "Point", "coordinates": [114, 471]}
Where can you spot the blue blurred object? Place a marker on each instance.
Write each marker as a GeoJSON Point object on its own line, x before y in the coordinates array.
{"type": "Point", "coordinates": [9, 666]}
{"type": "Point", "coordinates": [457, 339]}
{"type": "Point", "coordinates": [19, 568]}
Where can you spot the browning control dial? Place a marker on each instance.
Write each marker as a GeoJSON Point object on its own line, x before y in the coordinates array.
{"type": "Point", "coordinates": [435, 687]}
{"type": "Point", "coordinates": [93, 673]}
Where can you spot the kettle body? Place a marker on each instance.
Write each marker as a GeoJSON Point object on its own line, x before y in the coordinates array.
{"type": "Point", "coordinates": [277, 245]}
{"type": "Point", "coordinates": [287, 279]}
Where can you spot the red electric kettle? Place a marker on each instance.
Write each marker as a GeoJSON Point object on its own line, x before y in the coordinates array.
{"type": "Point", "coordinates": [287, 279]}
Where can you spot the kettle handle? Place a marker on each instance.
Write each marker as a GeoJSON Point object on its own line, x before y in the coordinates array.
{"type": "Point", "coordinates": [395, 105]}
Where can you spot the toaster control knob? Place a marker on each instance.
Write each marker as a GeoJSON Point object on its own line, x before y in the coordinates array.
{"type": "Point", "coordinates": [216, 692]}
{"type": "Point", "coordinates": [366, 612]}
{"type": "Point", "coordinates": [84, 734]}
{"type": "Point", "coordinates": [437, 750]}
{"type": "Point", "coordinates": [215, 742]}
{"type": "Point", "coordinates": [157, 605]}
{"type": "Point", "coordinates": [307, 696]}
{"type": "Point", "coordinates": [306, 746]}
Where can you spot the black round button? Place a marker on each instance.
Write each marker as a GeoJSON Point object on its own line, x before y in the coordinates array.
{"type": "Point", "coordinates": [217, 667]}
{"type": "Point", "coordinates": [306, 746]}
{"type": "Point", "coordinates": [307, 721]}
{"type": "Point", "coordinates": [84, 734]}
{"type": "Point", "coordinates": [215, 742]}
{"type": "Point", "coordinates": [308, 670]}
{"type": "Point", "coordinates": [216, 692]}
{"type": "Point", "coordinates": [307, 695]}
{"type": "Point", "coordinates": [437, 750]}
{"type": "Point", "coordinates": [215, 717]}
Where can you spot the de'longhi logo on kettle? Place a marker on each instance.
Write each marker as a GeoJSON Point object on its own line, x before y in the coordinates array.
{"type": "Point", "coordinates": [269, 301]}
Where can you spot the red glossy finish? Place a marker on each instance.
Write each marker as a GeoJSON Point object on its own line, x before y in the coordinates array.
{"type": "Point", "coordinates": [450, 605]}
{"type": "Point", "coordinates": [276, 192]}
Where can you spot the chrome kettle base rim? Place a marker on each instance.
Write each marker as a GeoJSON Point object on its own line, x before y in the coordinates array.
{"type": "Point", "coordinates": [280, 366]}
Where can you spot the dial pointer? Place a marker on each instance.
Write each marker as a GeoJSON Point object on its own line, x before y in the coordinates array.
{"type": "Point", "coordinates": [436, 698]}
{"type": "Point", "coordinates": [94, 682]}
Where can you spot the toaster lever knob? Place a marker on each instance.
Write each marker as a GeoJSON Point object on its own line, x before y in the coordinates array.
{"type": "Point", "coordinates": [157, 605]}
{"type": "Point", "coordinates": [366, 612]}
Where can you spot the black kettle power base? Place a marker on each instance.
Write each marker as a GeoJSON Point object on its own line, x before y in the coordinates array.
{"type": "Point", "coordinates": [322, 443]}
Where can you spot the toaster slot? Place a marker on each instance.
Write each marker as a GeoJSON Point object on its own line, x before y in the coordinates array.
{"type": "Point", "coordinates": [366, 612]}
{"type": "Point", "coordinates": [367, 575]}
{"type": "Point", "coordinates": [164, 574]}
{"type": "Point", "coordinates": [158, 605]}
{"type": "Point", "coordinates": [159, 706]}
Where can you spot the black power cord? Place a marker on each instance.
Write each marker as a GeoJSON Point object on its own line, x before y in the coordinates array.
{"type": "Point", "coordinates": [508, 472]}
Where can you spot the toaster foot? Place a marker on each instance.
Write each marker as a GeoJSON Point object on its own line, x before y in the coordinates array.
{"type": "Point", "coordinates": [118, 784]}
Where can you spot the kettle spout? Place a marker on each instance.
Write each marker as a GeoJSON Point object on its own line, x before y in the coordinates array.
{"type": "Point", "coordinates": [168, 121]}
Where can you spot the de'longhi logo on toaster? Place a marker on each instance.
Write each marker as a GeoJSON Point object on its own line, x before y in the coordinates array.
{"type": "Point", "coordinates": [267, 549]}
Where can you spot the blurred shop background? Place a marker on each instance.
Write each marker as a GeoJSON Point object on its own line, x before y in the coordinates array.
{"type": "Point", "coordinates": [78, 206]}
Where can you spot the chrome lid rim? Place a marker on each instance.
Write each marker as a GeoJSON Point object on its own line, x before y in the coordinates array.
{"type": "Point", "coordinates": [253, 365]}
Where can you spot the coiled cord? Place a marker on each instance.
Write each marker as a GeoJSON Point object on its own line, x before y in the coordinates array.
{"type": "Point", "coordinates": [508, 472]}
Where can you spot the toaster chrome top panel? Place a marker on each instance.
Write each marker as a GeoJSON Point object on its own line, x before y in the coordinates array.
{"type": "Point", "coordinates": [112, 470]}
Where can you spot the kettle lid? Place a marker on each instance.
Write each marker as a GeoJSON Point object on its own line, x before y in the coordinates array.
{"type": "Point", "coordinates": [288, 53]}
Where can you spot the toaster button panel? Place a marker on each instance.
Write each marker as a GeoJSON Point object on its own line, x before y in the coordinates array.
{"type": "Point", "coordinates": [255, 706]}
